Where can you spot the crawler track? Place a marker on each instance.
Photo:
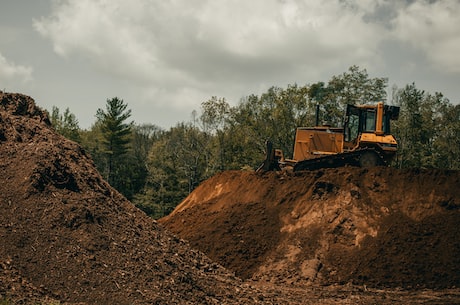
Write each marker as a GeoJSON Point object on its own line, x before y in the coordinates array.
{"type": "Point", "coordinates": [365, 157]}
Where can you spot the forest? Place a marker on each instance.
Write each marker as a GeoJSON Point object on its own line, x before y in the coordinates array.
{"type": "Point", "coordinates": [157, 168]}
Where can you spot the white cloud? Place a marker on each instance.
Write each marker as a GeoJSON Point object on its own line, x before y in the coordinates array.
{"type": "Point", "coordinates": [105, 32]}
{"type": "Point", "coordinates": [178, 51]}
{"type": "Point", "coordinates": [434, 28]}
{"type": "Point", "coordinates": [239, 27]}
{"type": "Point", "coordinates": [11, 73]}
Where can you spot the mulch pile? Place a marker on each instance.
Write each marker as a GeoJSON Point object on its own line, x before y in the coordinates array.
{"type": "Point", "coordinates": [66, 235]}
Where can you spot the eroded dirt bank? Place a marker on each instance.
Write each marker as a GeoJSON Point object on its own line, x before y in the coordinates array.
{"type": "Point", "coordinates": [378, 227]}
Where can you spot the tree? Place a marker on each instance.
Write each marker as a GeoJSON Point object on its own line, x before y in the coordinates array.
{"type": "Point", "coordinates": [409, 126]}
{"type": "Point", "coordinates": [427, 129]}
{"type": "Point", "coordinates": [447, 143]}
{"type": "Point", "coordinates": [92, 142]}
{"type": "Point", "coordinates": [176, 166]}
{"type": "Point", "coordinates": [116, 134]}
{"type": "Point", "coordinates": [352, 87]}
{"type": "Point", "coordinates": [273, 116]}
{"type": "Point", "coordinates": [214, 119]}
{"type": "Point", "coordinates": [65, 124]}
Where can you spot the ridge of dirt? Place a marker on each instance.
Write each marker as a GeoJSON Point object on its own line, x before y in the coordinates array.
{"type": "Point", "coordinates": [378, 227]}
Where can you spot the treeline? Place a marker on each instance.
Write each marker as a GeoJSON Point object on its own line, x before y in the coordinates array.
{"type": "Point", "coordinates": [157, 168]}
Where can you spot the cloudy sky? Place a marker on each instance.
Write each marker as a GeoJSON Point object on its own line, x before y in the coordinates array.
{"type": "Point", "coordinates": [164, 58]}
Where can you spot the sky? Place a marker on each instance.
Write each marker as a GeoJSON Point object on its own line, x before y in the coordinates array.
{"type": "Point", "coordinates": [164, 58]}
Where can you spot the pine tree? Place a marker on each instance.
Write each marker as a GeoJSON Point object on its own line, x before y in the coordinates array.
{"type": "Point", "coordinates": [116, 134]}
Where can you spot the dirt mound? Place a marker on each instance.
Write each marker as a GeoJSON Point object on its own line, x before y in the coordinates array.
{"type": "Point", "coordinates": [66, 235]}
{"type": "Point", "coordinates": [378, 227]}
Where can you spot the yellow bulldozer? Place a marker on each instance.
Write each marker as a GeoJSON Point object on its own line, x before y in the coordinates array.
{"type": "Point", "coordinates": [365, 140]}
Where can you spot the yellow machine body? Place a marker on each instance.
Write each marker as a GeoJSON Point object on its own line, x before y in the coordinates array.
{"type": "Point", "coordinates": [365, 140]}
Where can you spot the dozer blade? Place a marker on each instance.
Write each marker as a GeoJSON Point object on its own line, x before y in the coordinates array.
{"type": "Point", "coordinates": [271, 162]}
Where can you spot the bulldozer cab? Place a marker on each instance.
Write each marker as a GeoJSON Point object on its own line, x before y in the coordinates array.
{"type": "Point", "coordinates": [369, 126]}
{"type": "Point", "coordinates": [373, 119]}
{"type": "Point", "coordinates": [358, 120]}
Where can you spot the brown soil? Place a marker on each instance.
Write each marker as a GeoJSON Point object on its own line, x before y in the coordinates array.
{"type": "Point", "coordinates": [378, 227]}
{"type": "Point", "coordinates": [67, 237]}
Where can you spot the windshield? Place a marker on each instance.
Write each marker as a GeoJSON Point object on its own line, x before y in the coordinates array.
{"type": "Point", "coordinates": [369, 120]}
{"type": "Point", "coordinates": [351, 125]}
{"type": "Point", "coordinates": [357, 121]}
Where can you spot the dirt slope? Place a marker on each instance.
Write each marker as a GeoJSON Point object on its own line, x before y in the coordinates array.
{"type": "Point", "coordinates": [377, 227]}
{"type": "Point", "coordinates": [66, 235]}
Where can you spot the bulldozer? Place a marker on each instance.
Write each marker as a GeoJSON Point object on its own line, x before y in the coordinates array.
{"type": "Point", "coordinates": [365, 140]}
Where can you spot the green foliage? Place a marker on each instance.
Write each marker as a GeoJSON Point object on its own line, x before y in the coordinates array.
{"type": "Point", "coordinates": [352, 87]}
{"type": "Point", "coordinates": [65, 124]}
{"type": "Point", "coordinates": [115, 142]}
{"type": "Point", "coordinates": [214, 120]}
{"type": "Point", "coordinates": [135, 164]}
{"type": "Point", "coordinates": [355, 87]}
{"type": "Point", "coordinates": [92, 140]}
{"type": "Point", "coordinates": [176, 165]}
{"type": "Point", "coordinates": [115, 130]}
{"type": "Point", "coordinates": [119, 149]}
{"type": "Point", "coordinates": [447, 143]}
{"type": "Point", "coordinates": [274, 115]}
{"type": "Point", "coordinates": [427, 130]}
{"type": "Point", "coordinates": [214, 114]}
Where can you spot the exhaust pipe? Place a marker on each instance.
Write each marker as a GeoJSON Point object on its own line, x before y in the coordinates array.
{"type": "Point", "coordinates": [317, 115]}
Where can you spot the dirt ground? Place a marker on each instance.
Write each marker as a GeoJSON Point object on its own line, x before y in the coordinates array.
{"type": "Point", "coordinates": [327, 237]}
{"type": "Point", "coordinates": [377, 227]}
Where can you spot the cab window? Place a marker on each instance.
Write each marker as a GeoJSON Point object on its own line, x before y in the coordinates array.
{"type": "Point", "coordinates": [369, 120]}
